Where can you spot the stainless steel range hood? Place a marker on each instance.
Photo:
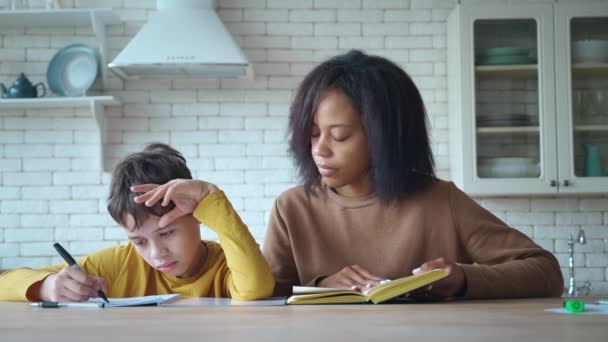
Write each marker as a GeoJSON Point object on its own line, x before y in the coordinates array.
{"type": "Point", "coordinates": [183, 39]}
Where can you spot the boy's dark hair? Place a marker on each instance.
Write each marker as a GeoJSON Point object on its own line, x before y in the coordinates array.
{"type": "Point", "coordinates": [157, 164]}
{"type": "Point", "coordinates": [392, 113]}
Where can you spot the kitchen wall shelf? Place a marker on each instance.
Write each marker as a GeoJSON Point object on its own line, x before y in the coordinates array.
{"type": "Point", "coordinates": [95, 104]}
{"type": "Point", "coordinates": [543, 90]}
{"type": "Point", "coordinates": [97, 18]}
{"type": "Point", "coordinates": [59, 102]}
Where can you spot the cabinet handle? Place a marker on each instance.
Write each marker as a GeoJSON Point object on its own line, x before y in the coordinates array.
{"type": "Point", "coordinates": [553, 183]}
{"type": "Point", "coordinates": [566, 182]}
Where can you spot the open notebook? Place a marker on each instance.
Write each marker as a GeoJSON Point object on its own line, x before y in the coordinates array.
{"type": "Point", "coordinates": [114, 302]}
{"type": "Point", "coordinates": [134, 301]}
{"type": "Point", "coordinates": [203, 301]}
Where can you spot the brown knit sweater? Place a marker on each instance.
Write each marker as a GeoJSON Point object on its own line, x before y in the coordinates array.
{"type": "Point", "coordinates": [318, 234]}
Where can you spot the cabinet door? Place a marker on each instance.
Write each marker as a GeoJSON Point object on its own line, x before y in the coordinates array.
{"type": "Point", "coordinates": [581, 44]}
{"type": "Point", "coordinates": [508, 120]}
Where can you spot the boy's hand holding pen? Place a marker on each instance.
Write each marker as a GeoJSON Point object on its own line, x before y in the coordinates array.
{"type": "Point", "coordinates": [71, 284]}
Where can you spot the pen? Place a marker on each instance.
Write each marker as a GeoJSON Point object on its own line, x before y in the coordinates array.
{"type": "Point", "coordinates": [72, 263]}
{"type": "Point", "coordinates": [55, 305]}
{"type": "Point", "coordinates": [605, 301]}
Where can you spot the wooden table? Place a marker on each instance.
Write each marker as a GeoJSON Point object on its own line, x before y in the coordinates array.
{"type": "Point", "coordinates": [491, 320]}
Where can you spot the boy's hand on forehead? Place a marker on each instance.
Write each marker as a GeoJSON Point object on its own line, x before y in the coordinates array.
{"type": "Point", "coordinates": [186, 194]}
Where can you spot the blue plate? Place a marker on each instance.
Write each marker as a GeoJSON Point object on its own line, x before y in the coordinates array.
{"type": "Point", "coordinates": [73, 70]}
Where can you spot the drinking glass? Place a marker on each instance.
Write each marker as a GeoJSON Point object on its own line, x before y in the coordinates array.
{"type": "Point", "coordinates": [600, 104]}
{"type": "Point", "coordinates": [580, 103]}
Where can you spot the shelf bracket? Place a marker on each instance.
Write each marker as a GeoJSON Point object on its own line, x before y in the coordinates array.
{"type": "Point", "coordinates": [98, 110]}
{"type": "Point", "coordinates": [100, 34]}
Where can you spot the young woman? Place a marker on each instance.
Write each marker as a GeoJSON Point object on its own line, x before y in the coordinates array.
{"type": "Point", "coordinates": [370, 206]}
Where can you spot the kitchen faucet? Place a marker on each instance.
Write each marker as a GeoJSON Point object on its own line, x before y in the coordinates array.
{"type": "Point", "coordinates": [572, 289]}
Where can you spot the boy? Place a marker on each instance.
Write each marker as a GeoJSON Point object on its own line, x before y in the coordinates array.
{"type": "Point", "coordinates": [160, 258]}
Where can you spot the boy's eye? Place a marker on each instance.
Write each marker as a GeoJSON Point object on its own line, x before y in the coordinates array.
{"type": "Point", "coordinates": [138, 242]}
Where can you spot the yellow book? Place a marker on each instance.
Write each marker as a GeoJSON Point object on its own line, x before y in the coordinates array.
{"type": "Point", "coordinates": [378, 294]}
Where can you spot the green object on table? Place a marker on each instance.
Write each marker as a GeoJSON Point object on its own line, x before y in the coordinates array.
{"type": "Point", "coordinates": [574, 306]}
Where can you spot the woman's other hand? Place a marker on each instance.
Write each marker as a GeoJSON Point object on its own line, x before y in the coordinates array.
{"type": "Point", "coordinates": [453, 285]}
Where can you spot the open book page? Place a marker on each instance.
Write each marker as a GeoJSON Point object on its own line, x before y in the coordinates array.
{"type": "Point", "coordinates": [134, 301]}
{"type": "Point", "coordinates": [379, 294]}
{"type": "Point", "coordinates": [404, 285]}
{"type": "Point", "coordinates": [203, 301]}
{"type": "Point", "coordinates": [324, 295]}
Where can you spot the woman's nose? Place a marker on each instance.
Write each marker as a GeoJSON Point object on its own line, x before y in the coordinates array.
{"type": "Point", "coordinates": [320, 147]}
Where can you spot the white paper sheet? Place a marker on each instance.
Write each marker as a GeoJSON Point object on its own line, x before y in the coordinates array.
{"type": "Point", "coordinates": [195, 301]}
{"type": "Point", "coordinates": [134, 301]}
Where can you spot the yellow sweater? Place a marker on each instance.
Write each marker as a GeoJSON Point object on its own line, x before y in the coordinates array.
{"type": "Point", "coordinates": [235, 269]}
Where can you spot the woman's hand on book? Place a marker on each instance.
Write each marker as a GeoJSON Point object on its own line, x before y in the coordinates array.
{"type": "Point", "coordinates": [70, 285]}
{"type": "Point", "coordinates": [352, 277]}
{"type": "Point", "coordinates": [453, 285]}
{"type": "Point", "coordinates": [186, 194]}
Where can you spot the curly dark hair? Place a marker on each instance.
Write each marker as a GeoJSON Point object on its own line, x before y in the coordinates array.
{"type": "Point", "coordinates": [157, 164]}
{"type": "Point", "coordinates": [392, 113]}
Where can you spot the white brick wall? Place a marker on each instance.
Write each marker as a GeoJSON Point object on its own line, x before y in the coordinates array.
{"type": "Point", "coordinates": [232, 131]}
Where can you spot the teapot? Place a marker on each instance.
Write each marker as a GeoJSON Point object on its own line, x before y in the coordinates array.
{"type": "Point", "coordinates": [22, 88]}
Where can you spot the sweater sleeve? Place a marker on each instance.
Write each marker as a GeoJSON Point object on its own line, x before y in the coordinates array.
{"type": "Point", "coordinates": [15, 284]}
{"type": "Point", "coordinates": [278, 251]}
{"type": "Point", "coordinates": [249, 277]}
{"type": "Point", "coordinates": [507, 264]}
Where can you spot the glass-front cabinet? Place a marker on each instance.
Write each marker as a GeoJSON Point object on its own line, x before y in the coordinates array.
{"type": "Point", "coordinates": [528, 97]}
{"type": "Point", "coordinates": [582, 144]}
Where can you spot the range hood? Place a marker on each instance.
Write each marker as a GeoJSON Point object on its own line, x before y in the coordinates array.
{"type": "Point", "coordinates": [183, 39]}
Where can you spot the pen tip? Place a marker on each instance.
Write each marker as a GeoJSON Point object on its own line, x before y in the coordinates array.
{"type": "Point", "coordinates": [103, 296]}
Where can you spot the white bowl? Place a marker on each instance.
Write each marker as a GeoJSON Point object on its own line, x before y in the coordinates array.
{"type": "Point", "coordinates": [594, 50]}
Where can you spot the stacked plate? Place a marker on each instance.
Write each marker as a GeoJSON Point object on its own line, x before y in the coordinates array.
{"type": "Point", "coordinates": [505, 55]}
{"type": "Point", "coordinates": [508, 167]}
{"type": "Point", "coordinates": [73, 70]}
{"type": "Point", "coordinates": [496, 120]}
